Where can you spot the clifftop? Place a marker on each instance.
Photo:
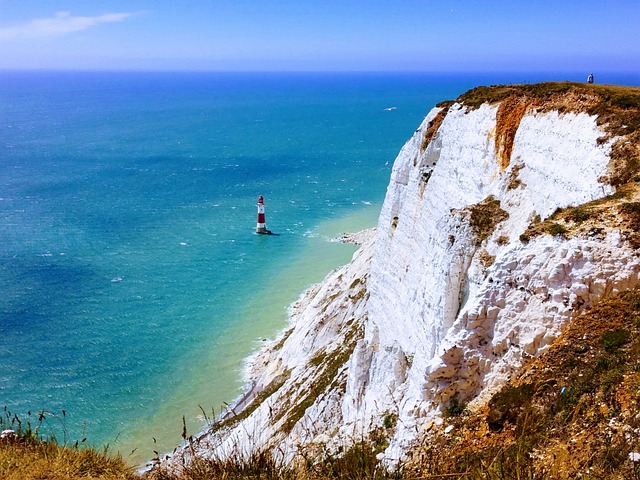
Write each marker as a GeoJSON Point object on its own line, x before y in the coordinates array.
{"type": "Point", "coordinates": [617, 109]}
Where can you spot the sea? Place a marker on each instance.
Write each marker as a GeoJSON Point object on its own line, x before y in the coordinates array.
{"type": "Point", "coordinates": [132, 283]}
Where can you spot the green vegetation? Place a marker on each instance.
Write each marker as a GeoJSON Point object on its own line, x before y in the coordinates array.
{"type": "Point", "coordinates": [454, 409]}
{"type": "Point", "coordinates": [275, 385]}
{"type": "Point", "coordinates": [609, 97]}
{"type": "Point", "coordinates": [579, 214]}
{"type": "Point", "coordinates": [484, 216]}
{"type": "Point", "coordinates": [328, 377]}
{"type": "Point", "coordinates": [390, 421]}
{"type": "Point", "coordinates": [356, 462]}
{"type": "Point", "coordinates": [614, 339]}
{"type": "Point", "coordinates": [507, 405]}
{"type": "Point", "coordinates": [618, 210]}
{"type": "Point", "coordinates": [556, 229]}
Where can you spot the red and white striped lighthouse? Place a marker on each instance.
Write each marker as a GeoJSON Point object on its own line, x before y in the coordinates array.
{"type": "Point", "coordinates": [261, 227]}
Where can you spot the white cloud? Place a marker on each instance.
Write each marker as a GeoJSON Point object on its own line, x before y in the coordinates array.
{"type": "Point", "coordinates": [61, 24]}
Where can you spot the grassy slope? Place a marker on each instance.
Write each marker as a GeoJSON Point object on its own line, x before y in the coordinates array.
{"type": "Point", "coordinates": [36, 460]}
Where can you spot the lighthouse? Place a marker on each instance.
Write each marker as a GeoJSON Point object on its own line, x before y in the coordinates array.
{"type": "Point", "coordinates": [261, 227]}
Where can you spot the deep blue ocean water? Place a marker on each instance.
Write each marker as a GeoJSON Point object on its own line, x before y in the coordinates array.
{"type": "Point", "coordinates": [131, 282]}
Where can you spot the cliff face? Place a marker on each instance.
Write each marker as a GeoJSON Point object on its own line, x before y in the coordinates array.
{"type": "Point", "coordinates": [470, 272]}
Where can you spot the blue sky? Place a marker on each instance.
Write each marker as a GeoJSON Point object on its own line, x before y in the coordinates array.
{"type": "Point", "coordinates": [240, 35]}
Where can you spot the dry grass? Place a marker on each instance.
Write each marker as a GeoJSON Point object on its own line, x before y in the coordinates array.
{"type": "Point", "coordinates": [358, 462]}
{"type": "Point", "coordinates": [29, 456]}
{"type": "Point", "coordinates": [514, 180]}
{"type": "Point", "coordinates": [25, 461]}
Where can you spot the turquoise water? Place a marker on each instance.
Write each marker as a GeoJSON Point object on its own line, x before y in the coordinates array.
{"type": "Point", "coordinates": [132, 285]}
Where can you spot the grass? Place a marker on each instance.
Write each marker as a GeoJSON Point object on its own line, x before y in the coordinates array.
{"type": "Point", "coordinates": [454, 409]}
{"type": "Point", "coordinates": [556, 229]}
{"type": "Point", "coordinates": [357, 462]}
{"type": "Point", "coordinates": [28, 455]}
{"type": "Point", "coordinates": [328, 377]}
{"type": "Point", "coordinates": [260, 397]}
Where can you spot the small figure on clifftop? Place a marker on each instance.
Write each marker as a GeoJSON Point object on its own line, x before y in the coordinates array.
{"type": "Point", "coordinates": [590, 78]}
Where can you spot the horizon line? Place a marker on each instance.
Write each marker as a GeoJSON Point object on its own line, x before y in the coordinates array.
{"type": "Point", "coordinates": [292, 71]}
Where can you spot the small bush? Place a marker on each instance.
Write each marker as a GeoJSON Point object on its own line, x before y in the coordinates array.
{"type": "Point", "coordinates": [390, 420]}
{"type": "Point", "coordinates": [454, 409]}
{"type": "Point", "coordinates": [611, 379]}
{"type": "Point", "coordinates": [579, 215]}
{"type": "Point", "coordinates": [626, 101]}
{"type": "Point", "coordinates": [613, 340]}
{"type": "Point", "coordinates": [556, 229]}
{"type": "Point", "coordinates": [507, 405]}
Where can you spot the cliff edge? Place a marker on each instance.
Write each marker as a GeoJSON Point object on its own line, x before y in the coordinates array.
{"type": "Point", "coordinates": [509, 212]}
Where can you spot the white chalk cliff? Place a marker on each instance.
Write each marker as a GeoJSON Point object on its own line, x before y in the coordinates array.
{"type": "Point", "coordinates": [437, 305]}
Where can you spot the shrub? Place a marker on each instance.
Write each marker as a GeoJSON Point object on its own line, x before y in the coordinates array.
{"type": "Point", "coordinates": [454, 409]}
{"type": "Point", "coordinates": [613, 340]}
{"type": "Point", "coordinates": [579, 215]}
{"type": "Point", "coordinates": [390, 420]}
{"type": "Point", "coordinates": [507, 405]}
{"type": "Point", "coordinates": [556, 229]}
